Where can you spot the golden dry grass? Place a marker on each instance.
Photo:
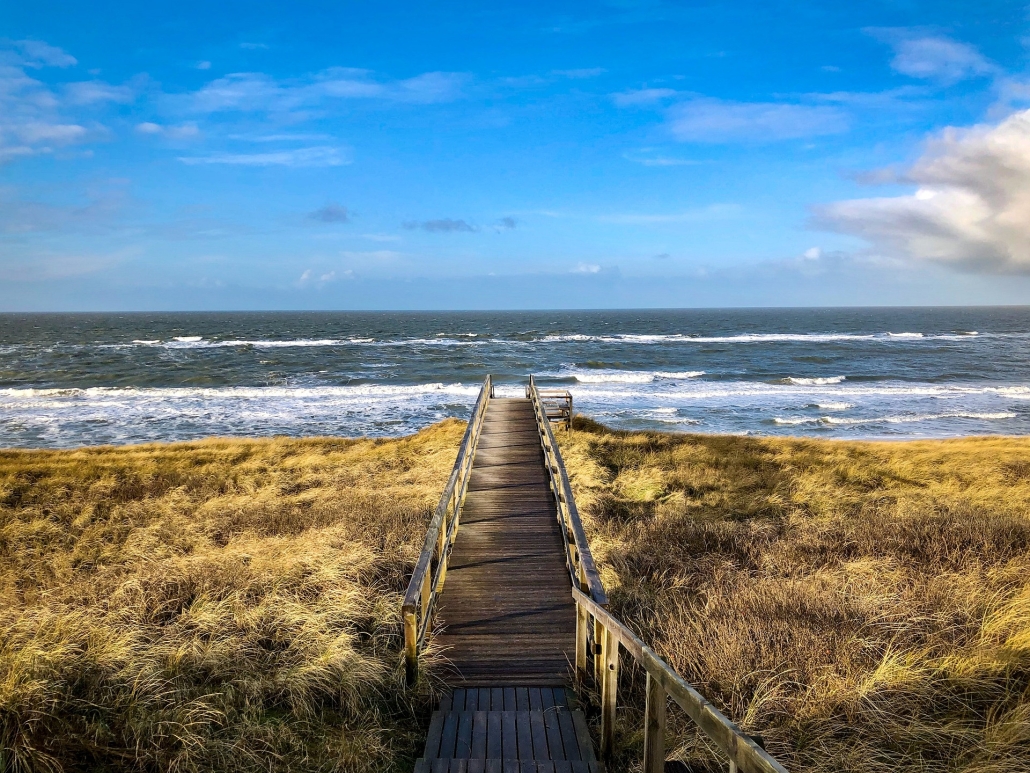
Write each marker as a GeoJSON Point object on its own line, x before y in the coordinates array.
{"type": "Point", "coordinates": [220, 605]}
{"type": "Point", "coordinates": [864, 606]}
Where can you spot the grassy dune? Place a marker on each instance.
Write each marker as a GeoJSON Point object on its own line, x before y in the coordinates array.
{"type": "Point", "coordinates": [221, 605]}
{"type": "Point", "coordinates": [865, 606]}
{"type": "Point", "coordinates": [234, 605]}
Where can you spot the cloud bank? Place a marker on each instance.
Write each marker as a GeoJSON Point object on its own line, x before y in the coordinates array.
{"type": "Point", "coordinates": [971, 210]}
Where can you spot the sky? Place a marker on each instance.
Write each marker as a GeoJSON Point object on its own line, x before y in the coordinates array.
{"type": "Point", "coordinates": [254, 155]}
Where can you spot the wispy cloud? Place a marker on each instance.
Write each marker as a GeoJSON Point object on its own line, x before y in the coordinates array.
{"type": "Point", "coordinates": [36, 53]}
{"type": "Point", "coordinates": [933, 57]}
{"type": "Point", "coordinates": [716, 121]}
{"type": "Point", "coordinates": [257, 92]}
{"type": "Point", "coordinates": [970, 210]}
{"type": "Point", "coordinates": [91, 92]}
{"type": "Point", "coordinates": [330, 213]}
{"type": "Point", "coordinates": [299, 157]}
{"type": "Point", "coordinates": [443, 225]}
{"type": "Point", "coordinates": [649, 157]}
{"type": "Point", "coordinates": [639, 97]}
{"type": "Point", "coordinates": [581, 73]}
{"type": "Point", "coordinates": [183, 131]}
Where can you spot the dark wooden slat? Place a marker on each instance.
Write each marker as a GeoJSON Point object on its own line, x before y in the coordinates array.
{"type": "Point", "coordinates": [568, 733]}
{"type": "Point", "coordinates": [509, 739]}
{"type": "Point", "coordinates": [435, 733]}
{"type": "Point", "coordinates": [554, 739]}
{"type": "Point", "coordinates": [564, 766]}
{"type": "Point", "coordinates": [423, 765]}
{"type": "Point", "coordinates": [478, 766]}
{"type": "Point", "coordinates": [509, 699]}
{"type": "Point", "coordinates": [472, 700]}
{"type": "Point", "coordinates": [536, 723]}
{"type": "Point", "coordinates": [511, 766]}
{"type": "Point", "coordinates": [458, 700]}
{"type": "Point", "coordinates": [493, 766]}
{"type": "Point", "coordinates": [524, 735]}
{"type": "Point", "coordinates": [450, 735]}
{"type": "Point", "coordinates": [586, 748]}
{"type": "Point", "coordinates": [447, 701]}
{"type": "Point", "coordinates": [463, 747]}
{"type": "Point", "coordinates": [441, 765]}
{"type": "Point", "coordinates": [534, 699]}
{"type": "Point", "coordinates": [493, 735]}
{"type": "Point", "coordinates": [484, 699]}
{"type": "Point", "coordinates": [479, 735]}
{"type": "Point", "coordinates": [497, 699]}
{"type": "Point", "coordinates": [459, 766]}
{"type": "Point", "coordinates": [522, 699]}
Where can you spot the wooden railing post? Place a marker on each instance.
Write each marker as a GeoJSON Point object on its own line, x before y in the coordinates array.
{"type": "Point", "coordinates": [581, 642]}
{"type": "Point", "coordinates": [654, 727]}
{"type": "Point", "coordinates": [410, 646]}
{"type": "Point", "coordinates": [609, 690]}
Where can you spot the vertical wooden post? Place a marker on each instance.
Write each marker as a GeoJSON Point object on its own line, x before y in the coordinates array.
{"type": "Point", "coordinates": [654, 727]}
{"type": "Point", "coordinates": [410, 646]}
{"type": "Point", "coordinates": [599, 664]}
{"type": "Point", "coordinates": [581, 642]}
{"type": "Point", "coordinates": [609, 690]}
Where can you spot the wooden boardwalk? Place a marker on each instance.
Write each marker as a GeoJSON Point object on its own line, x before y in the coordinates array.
{"type": "Point", "coordinates": [507, 614]}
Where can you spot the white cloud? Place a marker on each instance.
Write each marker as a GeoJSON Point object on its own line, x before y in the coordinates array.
{"type": "Point", "coordinates": [36, 53]}
{"type": "Point", "coordinates": [971, 209]}
{"type": "Point", "coordinates": [90, 92]}
{"type": "Point", "coordinates": [642, 97]}
{"type": "Point", "coordinates": [934, 57]}
{"type": "Point", "coordinates": [205, 65]}
{"type": "Point", "coordinates": [257, 92]}
{"type": "Point", "coordinates": [299, 157]}
{"type": "Point", "coordinates": [716, 120]}
{"type": "Point", "coordinates": [586, 268]}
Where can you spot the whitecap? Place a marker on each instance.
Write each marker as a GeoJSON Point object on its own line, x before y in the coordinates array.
{"type": "Point", "coordinates": [817, 381]}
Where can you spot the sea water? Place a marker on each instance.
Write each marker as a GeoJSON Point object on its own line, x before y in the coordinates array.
{"type": "Point", "coordinates": [83, 379]}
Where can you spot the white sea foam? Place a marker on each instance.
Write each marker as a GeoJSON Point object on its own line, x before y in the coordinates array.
{"type": "Point", "coordinates": [905, 335]}
{"type": "Point", "coordinates": [630, 376]}
{"type": "Point", "coordinates": [834, 406]}
{"type": "Point", "coordinates": [823, 381]}
{"type": "Point", "coordinates": [902, 419]}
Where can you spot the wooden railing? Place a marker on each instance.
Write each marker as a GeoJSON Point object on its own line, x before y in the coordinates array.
{"type": "Point", "coordinates": [745, 752]}
{"type": "Point", "coordinates": [431, 569]}
{"type": "Point", "coordinates": [600, 634]}
{"type": "Point", "coordinates": [578, 559]}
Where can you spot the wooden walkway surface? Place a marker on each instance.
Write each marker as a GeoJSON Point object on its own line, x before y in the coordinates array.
{"type": "Point", "coordinates": [507, 612]}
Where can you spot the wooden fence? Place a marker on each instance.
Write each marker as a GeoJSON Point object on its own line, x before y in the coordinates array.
{"type": "Point", "coordinates": [431, 569]}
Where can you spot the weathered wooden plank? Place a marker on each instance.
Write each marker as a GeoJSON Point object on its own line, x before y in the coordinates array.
{"type": "Point", "coordinates": [450, 735]}
{"type": "Point", "coordinates": [509, 738]}
{"type": "Point", "coordinates": [509, 699]}
{"type": "Point", "coordinates": [524, 735]}
{"type": "Point", "coordinates": [479, 735]}
{"type": "Point", "coordinates": [539, 732]}
{"type": "Point", "coordinates": [554, 740]}
{"type": "Point", "coordinates": [463, 747]}
{"type": "Point", "coordinates": [586, 748]}
{"type": "Point", "coordinates": [477, 765]}
{"type": "Point", "coordinates": [493, 735]}
{"type": "Point", "coordinates": [570, 742]}
{"type": "Point", "coordinates": [435, 734]}
{"type": "Point", "coordinates": [522, 698]}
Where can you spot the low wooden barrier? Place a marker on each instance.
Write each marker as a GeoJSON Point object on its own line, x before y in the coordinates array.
{"type": "Point", "coordinates": [744, 751]}
{"type": "Point", "coordinates": [431, 569]}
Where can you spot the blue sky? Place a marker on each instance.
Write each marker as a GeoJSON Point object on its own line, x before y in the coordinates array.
{"type": "Point", "coordinates": [469, 155]}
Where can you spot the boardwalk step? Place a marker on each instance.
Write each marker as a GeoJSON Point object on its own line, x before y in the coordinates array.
{"type": "Point", "coordinates": [556, 733]}
{"type": "Point", "coordinates": [505, 766]}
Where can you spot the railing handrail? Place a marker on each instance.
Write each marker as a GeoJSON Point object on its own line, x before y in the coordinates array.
{"type": "Point", "coordinates": [424, 584]}
{"type": "Point", "coordinates": [741, 748]}
{"type": "Point", "coordinates": [589, 579]}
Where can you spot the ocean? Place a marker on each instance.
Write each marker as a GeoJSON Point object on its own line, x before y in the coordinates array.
{"type": "Point", "coordinates": [70, 380]}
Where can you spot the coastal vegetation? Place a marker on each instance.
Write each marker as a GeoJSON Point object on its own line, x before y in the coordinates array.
{"type": "Point", "coordinates": [233, 605]}
{"type": "Point", "coordinates": [228, 605]}
{"type": "Point", "coordinates": [864, 606]}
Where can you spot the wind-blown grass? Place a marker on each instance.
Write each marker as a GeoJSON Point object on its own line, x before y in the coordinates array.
{"type": "Point", "coordinates": [864, 606]}
{"type": "Point", "coordinates": [220, 605]}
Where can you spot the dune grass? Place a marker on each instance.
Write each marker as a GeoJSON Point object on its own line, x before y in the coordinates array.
{"type": "Point", "coordinates": [864, 606]}
{"type": "Point", "coordinates": [213, 606]}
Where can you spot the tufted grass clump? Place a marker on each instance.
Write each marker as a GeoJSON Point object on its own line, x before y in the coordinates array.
{"type": "Point", "coordinates": [224, 605]}
{"type": "Point", "coordinates": [864, 606]}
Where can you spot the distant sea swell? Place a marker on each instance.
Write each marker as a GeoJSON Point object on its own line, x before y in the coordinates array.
{"type": "Point", "coordinates": [68, 380]}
